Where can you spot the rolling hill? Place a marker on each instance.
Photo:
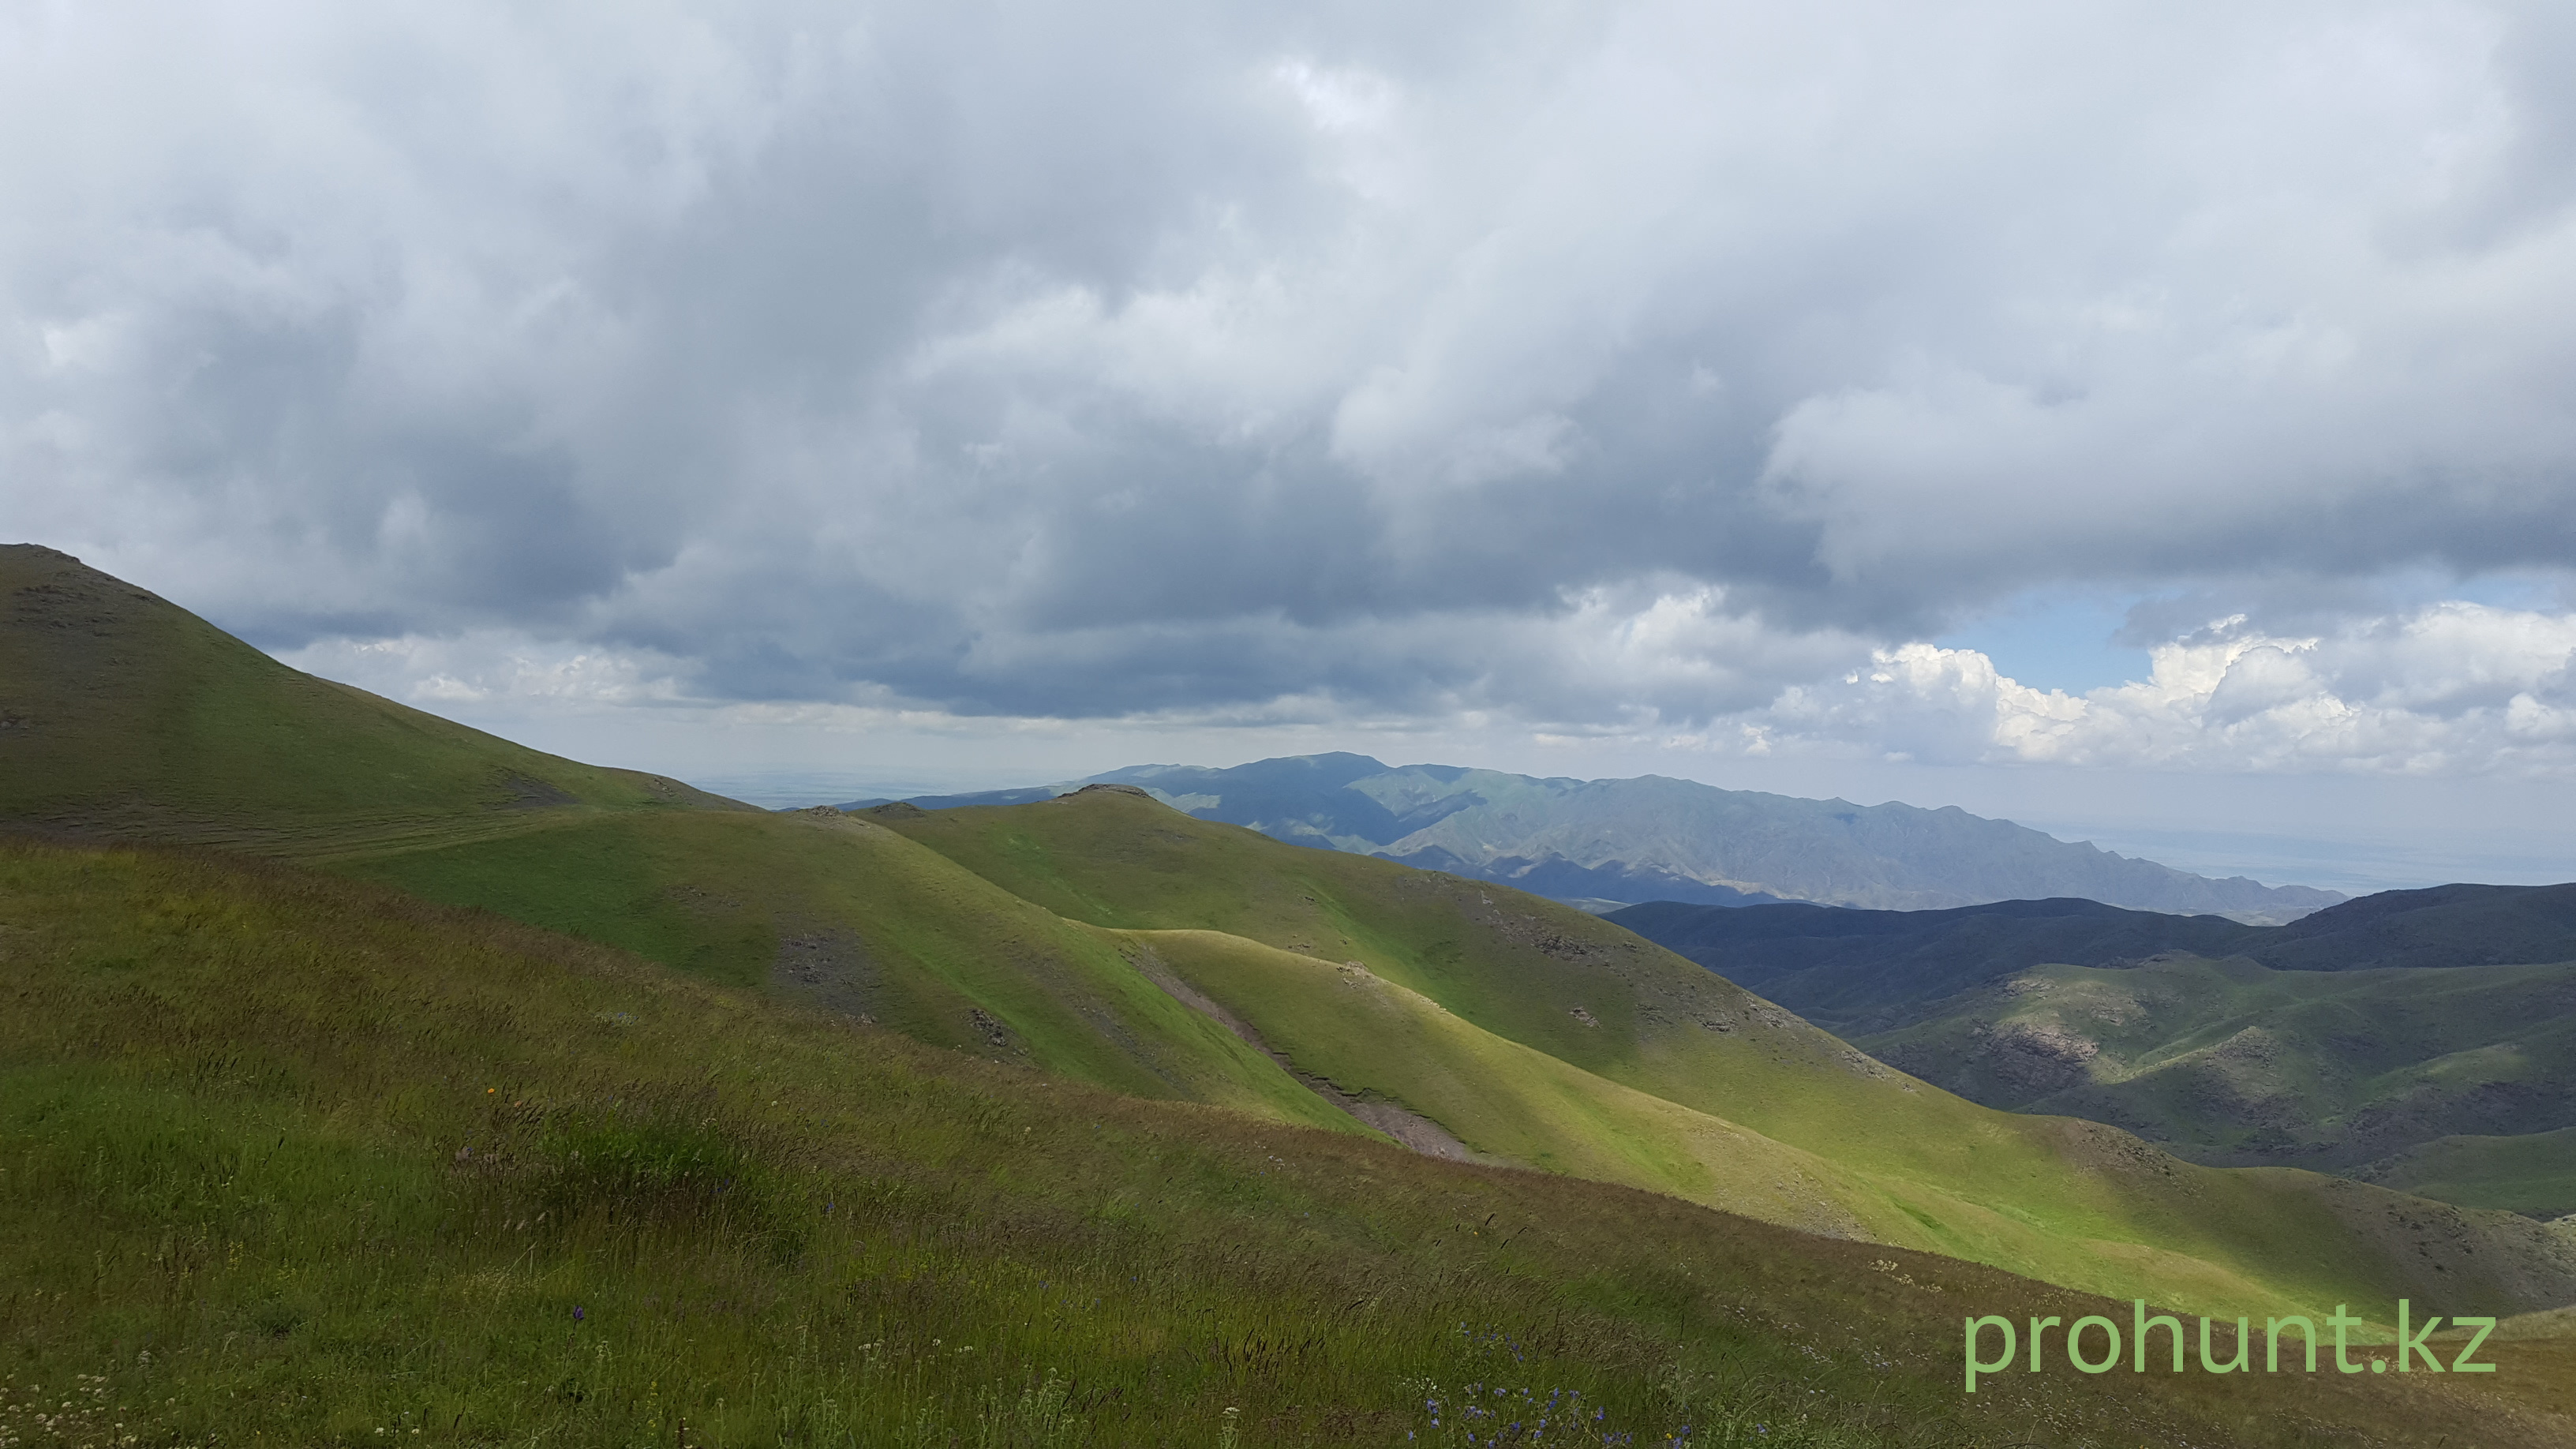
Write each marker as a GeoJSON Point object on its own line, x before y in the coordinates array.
{"type": "Point", "coordinates": [1107, 940]}
{"type": "Point", "coordinates": [2387, 1038]}
{"type": "Point", "coordinates": [1884, 1158]}
{"type": "Point", "coordinates": [2232, 1062]}
{"type": "Point", "coordinates": [295, 1160]}
{"type": "Point", "coordinates": [1657, 839]}
{"type": "Point", "coordinates": [1863, 971]}
{"type": "Point", "coordinates": [125, 716]}
{"type": "Point", "coordinates": [1521, 1046]}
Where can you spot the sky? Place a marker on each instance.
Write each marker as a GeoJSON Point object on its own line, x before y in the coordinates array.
{"type": "Point", "coordinates": [2149, 422]}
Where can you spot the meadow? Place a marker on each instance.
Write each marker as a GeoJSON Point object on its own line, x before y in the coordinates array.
{"type": "Point", "coordinates": [296, 1160]}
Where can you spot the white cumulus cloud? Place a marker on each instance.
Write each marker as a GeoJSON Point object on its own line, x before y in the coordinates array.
{"type": "Point", "coordinates": [2453, 689]}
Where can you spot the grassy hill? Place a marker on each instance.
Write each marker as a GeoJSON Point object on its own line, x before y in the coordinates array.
{"type": "Point", "coordinates": [122, 715]}
{"type": "Point", "coordinates": [131, 719]}
{"type": "Point", "coordinates": [2388, 1038]}
{"type": "Point", "coordinates": [2532, 1172]}
{"type": "Point", "coordinates": [2459, 1083]}
{"type": "Point", "coordinates": [1875, 971]}
{"type": "Point", "coordinates": [1110, 943]}
{"type": "Point", "coordinates": [1859, 972]}
{"type": "Point", "coordinates": [1753, 1111]}
{"type": "Point", "coordinates": [846, 914]}
{"type": "Point", "coordinates": [1336, 940]}
{"type": "Point", "coordinates": [290, 1159]}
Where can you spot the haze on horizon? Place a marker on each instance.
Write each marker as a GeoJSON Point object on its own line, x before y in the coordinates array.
{"type": "Point", "coordinates": [2151, 423]}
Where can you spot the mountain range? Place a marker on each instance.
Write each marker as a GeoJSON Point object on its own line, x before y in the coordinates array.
{"type": "Point", "coordinates": [1608, 842]}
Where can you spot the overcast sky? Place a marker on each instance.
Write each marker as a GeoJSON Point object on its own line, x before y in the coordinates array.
{"type": "Point", "coordinates": [2153, 417]}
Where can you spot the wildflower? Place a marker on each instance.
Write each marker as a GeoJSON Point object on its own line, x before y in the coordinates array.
{"type": "Point", "coordinates": [576, 1313]}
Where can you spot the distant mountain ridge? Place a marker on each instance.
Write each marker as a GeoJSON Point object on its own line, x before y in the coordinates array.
{"type": "Point", "coordinates": [1653, 838]}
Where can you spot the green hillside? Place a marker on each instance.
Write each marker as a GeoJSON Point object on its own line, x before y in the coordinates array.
{"type": "Point", "coordinates": [1866, 972]}
{"type": "Point", "coordinates": [843, 913]}
{"type": "Point", "coordinates": [2534, 1173]}
{"type": "Point", "coordinates": [123, 715]}
{"type": "Point", "coordinates": [296, 1160]}
{"type": "Point", "coordinates": [2064, 1200]}
{"type": "Point", "coordinates": [2458, 1083]}
{"type": "Point", "coordinates": [1103, 939]}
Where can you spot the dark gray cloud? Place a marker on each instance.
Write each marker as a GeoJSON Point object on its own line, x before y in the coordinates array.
{"type": "Point", "coordinates": [1585, 365]}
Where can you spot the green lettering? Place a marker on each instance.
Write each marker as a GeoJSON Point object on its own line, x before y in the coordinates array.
{"type": "Point", "coordinates": [2074, 1344]}
{"type": "Point", "coordinates": [2339, 1323]}
{"type": "Point", "coordinates": [2039, 1329]}
{"type": "Point", "coordinates": [2484, 1326]}
{"type": "Point", "coordinates": [2138, 1340]}
{"type": "Point", "coordinates": [1975, 1365]}
{"type": "Point", "coordinates": [2242, 1363]}
{"type": "Point", "coordinates": [2272, 1346]}
{"type": "Point", "coordinates": [2411, 1344]}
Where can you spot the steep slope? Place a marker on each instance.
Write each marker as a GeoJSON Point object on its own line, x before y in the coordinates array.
{"type": "Point", "coordinates": [1660, 839]}
{"type": "Point", "coordinates": [2066, 1200]}
{"type": "Point", "coordinates": [292, 1160]}
{"type": "Point", "coordinates": [845, 914]}
{"type": "Point", "coordinates": [130, 718]}
{"type": "Point", "coordinates": [122, 715]}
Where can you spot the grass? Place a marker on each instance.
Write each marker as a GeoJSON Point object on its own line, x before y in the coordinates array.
{"type": "Point", "coordinates": [1873, 1151]}
{"type": "Point", "coordinates": [2534, 1173]}
{"type": "Point", "coordinates": [1767, 1117]}
{"type": "Point", "coordinates": [127, 716]}
{"type": "Point", "coordinates": [2367, 1072]}
{"type": "Point", "coordinates": [896, 933]}
{"type": "Point", "coordinates": [1010, 937]}
{"type": "Point", "coordinates": [1510, 1102]}
{"type": "Point", "coordinates": [295, 1160]}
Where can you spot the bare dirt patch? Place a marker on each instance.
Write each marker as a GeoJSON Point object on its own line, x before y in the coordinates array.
{"type": "Point", "coordinates": [831, 969]}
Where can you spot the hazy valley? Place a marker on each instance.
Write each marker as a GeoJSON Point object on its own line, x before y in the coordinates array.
{"type": "Point", "coordinates": [2424, 1038]}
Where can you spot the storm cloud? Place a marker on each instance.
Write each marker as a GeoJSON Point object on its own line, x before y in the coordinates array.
{"type": "Point", "coordinates": [1632, 368]}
